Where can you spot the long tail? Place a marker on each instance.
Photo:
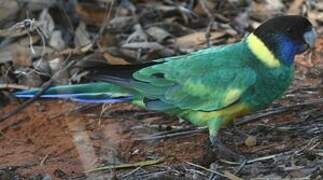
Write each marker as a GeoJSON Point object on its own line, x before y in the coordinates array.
{"type": "Point", "coordinates": [87, 93]}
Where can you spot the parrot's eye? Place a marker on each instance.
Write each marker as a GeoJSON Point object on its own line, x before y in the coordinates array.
{"type": "Point", "coordinates": [290, 30]}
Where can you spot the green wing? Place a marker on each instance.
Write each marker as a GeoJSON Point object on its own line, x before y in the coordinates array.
{"type": "Point", "coordinates": [206, 80]}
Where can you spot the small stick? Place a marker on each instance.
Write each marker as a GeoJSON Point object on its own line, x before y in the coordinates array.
{"type": "Point", "coordinates": [131, 172]}
{"type": "Point", "coordinates": [43, 161]}
{"type": "Point", "coordinates": [25, 104]}
{"type": "Point", "coordinates": [68, 112]}
{"type": "Point", "coordinates": [19, 29]}
{"type": "Point", "coordinates": [122, 166]}
{"type": "Point", "coordinates": [171, 135]}
{"type": "Point", "coordinates": [264, 158]}
{"type": "Point", "coordinates": [278, 110]}
{"type": "Point", "coordinates": [14, 86]}
{"type": "Point", "coordinates": [44, 88]}
{"type": "Point", "coordinates": [206, 169]}
{"type": "Point", "coordinates": [211, 21]}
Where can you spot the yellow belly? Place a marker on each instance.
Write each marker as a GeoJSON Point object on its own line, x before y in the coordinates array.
{"type": "Point", "coordinates": [226, 115]}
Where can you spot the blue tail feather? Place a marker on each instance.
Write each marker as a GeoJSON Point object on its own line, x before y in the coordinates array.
{"type": "Point", "coordinates": [29, 95]}
{"type": "Point", "coordinates": [86, 93]}
{"type": "Point", "coordinates": [106, 100]}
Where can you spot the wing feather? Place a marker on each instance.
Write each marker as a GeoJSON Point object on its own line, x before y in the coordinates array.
{"type": "Point", "coordinates": [204, 81]}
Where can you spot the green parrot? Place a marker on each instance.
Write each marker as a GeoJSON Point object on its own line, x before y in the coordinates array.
{"type": "Point", "coordinates": [209, 87]}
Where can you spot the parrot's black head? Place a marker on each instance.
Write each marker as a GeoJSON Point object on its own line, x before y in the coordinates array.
{"type": "Point", "coordinates": [286, 36]}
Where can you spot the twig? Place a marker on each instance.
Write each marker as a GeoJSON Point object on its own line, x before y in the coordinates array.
{"type": "Point", "coordinates": [172, 131]}
{"type": "Point", "coordinates": [305, 88]}
{"type": "Point", "coordinates": [131, 172]}
{"type": "Point", "coordinates": [105, 22]}
{"type": "Point", "coordinates": [43, 89]}
{"type": "Point", "coordinates": [14, 86]}
{"type": "Point", "coordinates": [43, 161]}
{"type": "Point", "coordinates": [199, 130]}
{"type": "Point", "coordinates": [264, 158]}
{"type": "Point", "coordinates": [231, 176]}
{"type": "Point", "coordinates": [211, 22]}
{"type": "Point", "coordinates": [158, 126]}
{"type": "Point", "coordinates": [104, 108]}
{"type": "Point", "coordinates": [77, 109]}
{"type": "Point", "coordinates": [278, 110]}
{"type": "Point", "coordinates": [195, 171]}
{"type": "Point", "coordinates": [20, 28]}
{"type": "Point", "coordinates": [314, 142]}
{"type": "Point", "coordinates": [206, 169]}
{"type": "Point", "coordinates": [122, 166]}
{"type": "Point", "coordinates": [72, 51]}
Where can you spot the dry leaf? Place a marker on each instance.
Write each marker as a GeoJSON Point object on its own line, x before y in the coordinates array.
{"type": "Point", "coordinates": [31, 79]}
{"type": "Point", "coordinates": [8, 9]}
{"type": "Point", "coordinates": [5, 54]}
{"type": "Point", "coordinates": [108, 39]}
{"type": "Point", "coordinates": [138, 35]}
{"type": "Point", "coordinates": [295, 7]}
{"type": "Point", "coordinates": [319, 6]}
{"type": "Point", "coordinates": [264, 9]}
{"type": "Point", "coordinates": [122, 23]}
{"type": "Point", "coordinates": [46, 23]}
{"type": "Point", "coordinates": [231, 176]}
{"type": "Point", "coordinates": [158, 33]}
{"type": "Point", "coordinates": [21, 56]}
{"type": "Point", "coordinates": [56, 40]}
{"type": "Point", "coordinates": [90, 14]}
{"type": "Point", "coordinates": [82, 37]}
{"type": "Point", "coordinates": [114, 60]}
{"type": "Point", "coordinates": [204, 9]}
{"type": "Point", "coordinates": [38, 5]}
{"type": "Point", "coordinates": [143, 45]}
{"type": "Point", "coordinates": [194, 40]}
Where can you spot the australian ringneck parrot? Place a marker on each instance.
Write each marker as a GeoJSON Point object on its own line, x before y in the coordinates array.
{"type": "Point", "coordinates": [209, 87]}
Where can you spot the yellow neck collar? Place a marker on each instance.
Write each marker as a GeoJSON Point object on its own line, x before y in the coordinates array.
{"type": "Point", "coordinates": [259, 49]}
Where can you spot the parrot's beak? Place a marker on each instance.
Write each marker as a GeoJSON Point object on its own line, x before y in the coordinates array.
{"type": "Point", "coordinates": [310, 38]}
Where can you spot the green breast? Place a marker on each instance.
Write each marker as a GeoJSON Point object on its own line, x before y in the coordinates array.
{"type": "Point", "coordinates": [270, 85]}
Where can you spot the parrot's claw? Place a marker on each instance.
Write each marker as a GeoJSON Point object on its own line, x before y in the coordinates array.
{"type": "Point", "coordinates": [227, 152]}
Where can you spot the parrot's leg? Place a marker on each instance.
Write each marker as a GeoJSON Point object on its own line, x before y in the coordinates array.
{"type": "Point", "coordinates": [214, 126]}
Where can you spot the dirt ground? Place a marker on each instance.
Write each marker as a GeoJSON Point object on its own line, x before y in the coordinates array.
{"type": "Point", "coordinates": [42, 140]}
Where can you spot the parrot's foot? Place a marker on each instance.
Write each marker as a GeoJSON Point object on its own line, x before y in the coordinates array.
{"type": "Point", "coordinates": [225, 151]}
{"type": "Point", "coordinates": [214, 132]}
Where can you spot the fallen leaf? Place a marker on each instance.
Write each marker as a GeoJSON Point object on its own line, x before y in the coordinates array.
{"type": "Point", "coordinates": [56, 40]}
{"type": "Point", "coordinates": [8, 9]}
{"type": "Point", "coordinates": [46, 23]}
{"type": "Point", "coordinates": [82, 37]}
{"type": "Point", "coordinates": [158, 33]}
{"type": "Point", "coordinates": [231, 176]}
{"type": "Point", "coordinates": [202, 8]}
{"type": "Point", "coordinates": [295, 7]}
{"type": "Point", "coordinates": [21, 56]}
{"type": "Point", "coordinates": [143, 45]}
{"type": "Point", "coordinates": [114, 60]}
{"type": "Point", "coordinates": [194, 40]}
{"type": "Point", "coordinates": [91, 15]}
